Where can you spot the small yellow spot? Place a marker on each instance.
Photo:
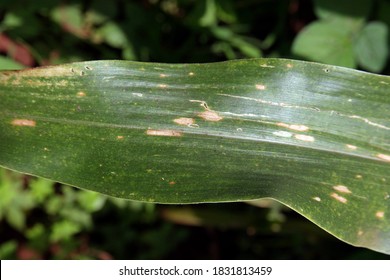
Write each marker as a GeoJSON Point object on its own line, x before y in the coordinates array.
{"type": "Point", "coordinates": [120, 137]}
{"type": "Point", "coordinates": [305, 138]}
{"type": "Point", "coordinates": [317, 198]}
{"type": "Point", "coordinates": [342, 189]}
{"type": "Point", "coordinates": [380, 214]}
{"type": "Point", "coordinates": [191, 74]}
{"type": "Point", "coordinates": [23, 122]}
{"type": "Point", "coordinates": [260, 87]}
{"type": "Point", "coordinates": [289, 65]}
{"type": "Point", "coordinates": [185, 121]}
{"type": "Point", "coordinates": [162, 75]}
{"type": "Point", "coordinates": [384, 157]}
{"type": "Point", "coordinates": [210, 115]}
{"type": "Point", "coordinates": [162, 86]}
{"type": "Point", "coordinates": [164, 132]}
{"type": "Point", "coordinates": [358, 176]}
{"type": "Point", "coordinates": [339, 198]}
{"type": "Point", "coordinates": [297, 127]}
{"type": "Point", "coordinates": [81, 94]}
{"type": "Point", "coordinates": [360, 232]}
{"type": "Point", "coordinates": [352, 147]}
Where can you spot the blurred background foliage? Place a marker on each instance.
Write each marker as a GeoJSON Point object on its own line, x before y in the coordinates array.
{"type": "Point", "coordinates": [40, 219]}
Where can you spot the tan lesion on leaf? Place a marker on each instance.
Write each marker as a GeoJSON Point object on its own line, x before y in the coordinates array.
{"type": "Point", "coordinates": [164, 132]}
{"type": "Point", "coordinates": [260, 87]}
{"type": "Point", "coordinates": [380, 214]}
{"type": "Point", "coordinates": [23, 122]}
{"type": "Point", "coordinates": [297, 127]}
{"type": "Point", "coordinates": [339, 198]}
{"type": "Point", "coordinates": [306, 138]}
{"type": "Point", "coordinates": [210, 115]}
{"type": "Point", "coordinates": [185, 121]}
{"type": "Point", "coordinates": [383, 157]}
{"type": "Point", "coordinates": [351, 147]}
{"type": "Point", "coordinates": [342, 189]}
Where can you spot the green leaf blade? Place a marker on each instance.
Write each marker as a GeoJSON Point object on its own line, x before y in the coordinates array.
{"type": "Point", "coordinates": [312, 136]}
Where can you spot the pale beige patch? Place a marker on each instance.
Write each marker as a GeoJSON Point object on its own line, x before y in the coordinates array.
{"type": "Point", "coordinates": [260, 87]}
{"type": "Point", "coordinates": [164, 132]}
{"type": "Point", "coordinates": [23, 122]}
{"type": "Point", "coordinates": [185, 121]}
{"type": "Point", "coordinates": [162, 86]}
{"type": "Point", "coordinates": [380, 214]}
{"type": "Point", "coordinates": [267, 66]}
{"type": "Point", "coordinates": [81, 94]}
{"type": "Point", "coordinates": [191, 74]}
{"type": "Point", "coordinates": [317, 199]}
{"type": "Point", "coordinates": [358, 176]}
{"type": "Point", "coordinates": [384, 157]}
{"type": "Point", "coordinates": [351, 147]}
{"type": "Point", "coordinates": [339, 198]}
{"type": "Point", "coordinates": [163, 76]}
{"type": "Point", "coordinates": [289, 65]}
{"type": "Point", "coordinates": [210, 115]}
{"type": "Point", "coordinates": [285, 134]}
{"type": "Point", "coordinates": [297, 127]}
{"type": "Point", "coordinates": [305, 138]}
{"type": "Point", "coordinates": [360, 233]}
{"type": "Point", "coordinates": [120, 137]}
{"type": "Point", "coordinates": [342, 189]}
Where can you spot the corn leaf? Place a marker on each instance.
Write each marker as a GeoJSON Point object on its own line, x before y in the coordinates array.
{"type": "Point", "coordinates": [312, 136]}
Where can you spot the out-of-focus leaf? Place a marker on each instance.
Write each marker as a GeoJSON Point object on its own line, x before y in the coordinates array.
{"type": "Point", "coordinates": [314, 137]}
{"type": "Point", "coordinates": [342, 9]}
{"type": "Point", "coordinates": [325, 42]}
{"type": "Point", "coordinates": [9, 64]}
{"type": "Point", "coordinates": [372, 46]}
{"type": "Point", "coordinates": [113, 35]}
{"type": "Point", "coordinates": [209, 17]}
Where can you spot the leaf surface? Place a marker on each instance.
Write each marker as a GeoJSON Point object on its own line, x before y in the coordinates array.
{"type": "Point", "coordinates": [312, 136]}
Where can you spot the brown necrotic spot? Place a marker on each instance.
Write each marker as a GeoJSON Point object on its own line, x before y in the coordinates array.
{"type": "Point", "coordinates": [184, 121]}
{"type": "Point", "coordinates": [339, 198]}
{"type": "Point", "coordinates": [164, 132]}
{"type": "Point", "coordinates": [342, 189]}
{"type": "Point", "coordinates": [210, 115]}
{"type": "Point", "coordinates": [23, 122]}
